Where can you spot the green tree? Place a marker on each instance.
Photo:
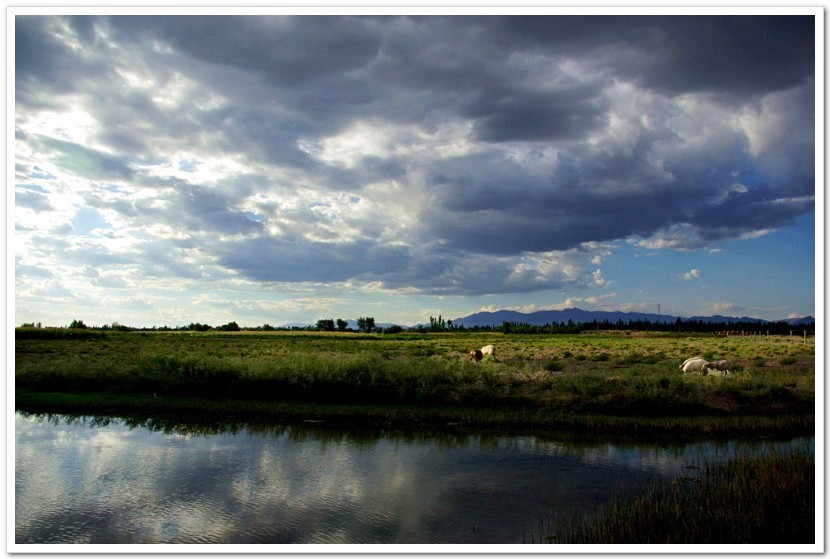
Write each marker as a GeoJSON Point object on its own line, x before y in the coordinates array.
{"type": "Point", "coordinates": [437, 324]}
{"type": "Point", "coordinates": [326, 324]}
{"type": "Point", "coordinates": [366, 323]}
{"type": "Point", "coordinates": [342, 325]}
{"type": "Point", "coordinates": [77, 324]}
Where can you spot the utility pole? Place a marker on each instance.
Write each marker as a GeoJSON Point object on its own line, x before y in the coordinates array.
{"type": "Point", "coordinates": [658, 312]}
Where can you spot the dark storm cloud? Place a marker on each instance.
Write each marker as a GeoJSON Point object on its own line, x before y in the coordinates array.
{"type": "Point", "coordinates": [263, 62]}
{"type": "Point", "coordinates": [743, 54]}
{"type": "Point", "coordinates": [520, 115]}
{"type": "Point", "coordinates": [591, 198]}
{"type": "Point", "coordinates": [755, 210]}
{"type": "Point", "coordinates": [288, 52]}
{"type": "Point", "coordinates": [733, 54]}
{"type": "Point", "coordinates": [298, 260]}
{"type": "Point", "coordinates": [260, 133]}
{"type": "Point", "coordinates": [574, 129]}
{"type": "Point", "coordinates": [435, 271]}
{"type": "Point", "coordinates": [40, 59]}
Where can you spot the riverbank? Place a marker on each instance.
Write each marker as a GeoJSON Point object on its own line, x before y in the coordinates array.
{"type": "Point", "coordinates": [601, 383]}
{"type": "Point", "coordinates": [219, 411]}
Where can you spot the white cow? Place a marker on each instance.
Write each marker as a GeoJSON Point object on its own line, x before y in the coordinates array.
{"type": "Point", "coordinates": [488, 350]}
{"type": "Point", "coordinates": [690, 359]}
{"type": "Point", "coordinates": [693, 365]}
{"type": "Point", "coordinates": [722, 366]}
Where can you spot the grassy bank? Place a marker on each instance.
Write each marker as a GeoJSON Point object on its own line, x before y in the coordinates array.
{"type": "Point", "coordinates": [377, 415]}
{"type": "Point", "coordinates": [766, 499]}
{"type": "Point", "coordinates": [590, 381]}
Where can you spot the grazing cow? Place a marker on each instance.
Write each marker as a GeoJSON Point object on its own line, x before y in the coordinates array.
{"type": "Point", "coordinates": [489, 350]}
{"type": "Point", "coordinates": [476, 355]}
{"type": "Point", "coordinates": [690, 359]}
{"type": "Point", "coordinates": [694, 365]}
{"type": "Point", "coordinates": [722, 366]}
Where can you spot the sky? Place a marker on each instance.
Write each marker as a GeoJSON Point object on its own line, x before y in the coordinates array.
{"type": "Point", "coordinates": [274, 169]}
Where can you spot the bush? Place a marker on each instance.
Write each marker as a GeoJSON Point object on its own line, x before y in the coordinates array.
{"type": "Point", "coordinates": [553, 366]}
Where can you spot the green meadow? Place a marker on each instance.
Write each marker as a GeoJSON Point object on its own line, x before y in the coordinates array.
{"type": "Point", "coordinates": [620, 381]}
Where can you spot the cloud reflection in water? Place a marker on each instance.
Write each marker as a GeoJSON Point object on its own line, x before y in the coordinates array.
{"type": "Point", "coordinates": [76, 483]}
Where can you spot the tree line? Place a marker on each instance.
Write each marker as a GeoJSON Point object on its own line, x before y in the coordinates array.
{"type": "Point", "coordinates": [367, 325]}
{"type": "Point", "coordinates": [779, 328]}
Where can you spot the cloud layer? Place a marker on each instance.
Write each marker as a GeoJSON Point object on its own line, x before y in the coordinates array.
{"type": "Point", "coordinates": [431, 155]}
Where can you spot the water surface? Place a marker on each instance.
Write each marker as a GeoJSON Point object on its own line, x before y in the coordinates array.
{"type": "Point", "coordinates": [108, 481]}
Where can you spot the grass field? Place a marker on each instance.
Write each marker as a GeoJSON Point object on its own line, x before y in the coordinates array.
{"type": "Point", "coordinates": [602, 381]}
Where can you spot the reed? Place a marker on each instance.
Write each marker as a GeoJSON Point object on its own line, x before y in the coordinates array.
{"type": "Point", "coordinates": [748, 499]}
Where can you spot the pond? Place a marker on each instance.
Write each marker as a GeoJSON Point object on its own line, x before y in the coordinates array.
{"type": "Point", "coordinates": [115, 481]}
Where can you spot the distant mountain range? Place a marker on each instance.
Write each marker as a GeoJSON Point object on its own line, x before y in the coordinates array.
{"type": "Point", "coordinates": [540, 318]}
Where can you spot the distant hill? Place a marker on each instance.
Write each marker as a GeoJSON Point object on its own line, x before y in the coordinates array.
{"type": "Point", "coordinates": [799, 321]}
{"type": "Point", "coordinates": [540, 318]}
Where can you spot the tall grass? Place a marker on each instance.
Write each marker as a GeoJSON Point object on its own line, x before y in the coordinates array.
{"type": "Point", "coordinates": [536, 376]}
{"type": "Point", "coordinates": [749, 499]}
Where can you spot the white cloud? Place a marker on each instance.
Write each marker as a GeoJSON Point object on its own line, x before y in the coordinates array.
{"type": "Point", "coordinates": [597, 280]}
{"type": "Point", "coordinates": [725, 308]}
{"type": "Point", "coordinates": [680, 236]}
{"type": "Point", "coordinates": [691, 274]}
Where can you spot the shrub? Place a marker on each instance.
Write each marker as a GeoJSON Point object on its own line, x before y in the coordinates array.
{"type": "Point", "coordinates": [553, 366]}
